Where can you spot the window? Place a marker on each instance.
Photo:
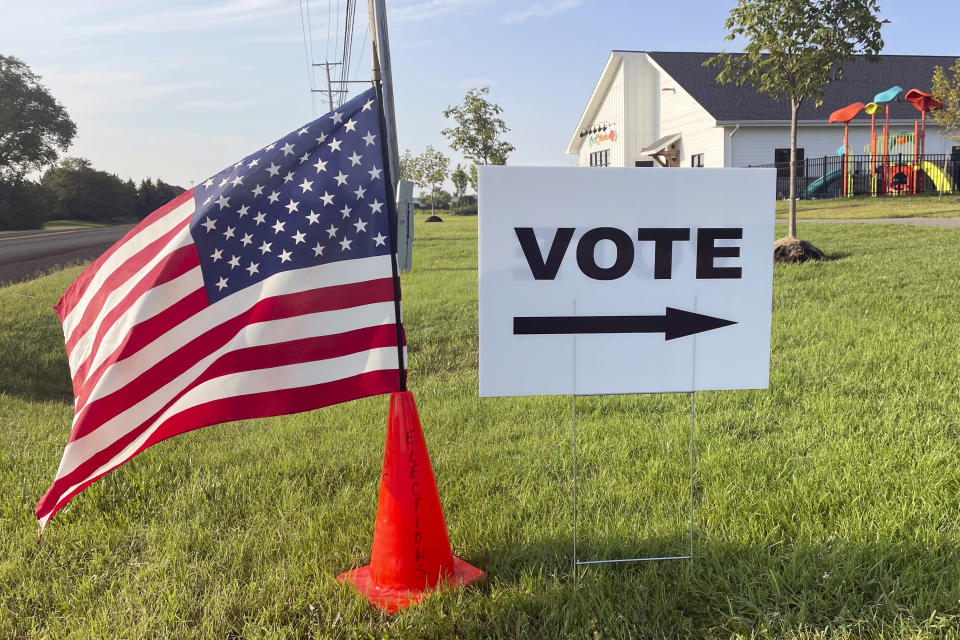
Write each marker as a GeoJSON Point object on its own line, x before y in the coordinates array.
{"type": "Point", "coordinates": [600, 158]}
{"type": "Point", "coordinates": [782, 158]}
{"type": "Point", "coordinates": [643, 163]}
{"type": "Point", "coordinates": [696, 160]}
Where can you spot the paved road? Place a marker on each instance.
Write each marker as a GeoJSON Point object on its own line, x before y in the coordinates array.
{"type": "Point", "coordinates": [25, 254]}
{"type": "Point", "coordinates": [915, 222]}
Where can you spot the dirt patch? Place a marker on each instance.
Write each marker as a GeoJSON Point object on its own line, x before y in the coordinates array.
{"type": "Point", "coordinates": [795, 250]}
{"type": "Point", "coordinates": [434, 219]}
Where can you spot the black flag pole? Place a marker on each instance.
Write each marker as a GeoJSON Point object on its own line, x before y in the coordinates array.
{"type": "Point", "coordinates": [383, 82]}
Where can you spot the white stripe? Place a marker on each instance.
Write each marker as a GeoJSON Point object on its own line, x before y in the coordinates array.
{"type": "Point", "coordinates": [121, 373]}
{"type": "Point", "coordinates": [258, 334]}
{"type": "Point", "coordinates": [241, 384]}
{"type": "Point", "coordinates": [81, 350]}
{"type": "Point", "coordinates": [130, 248]}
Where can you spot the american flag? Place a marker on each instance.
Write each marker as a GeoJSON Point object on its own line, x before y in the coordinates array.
{"type": "Point", "coordinates": [268, 289]}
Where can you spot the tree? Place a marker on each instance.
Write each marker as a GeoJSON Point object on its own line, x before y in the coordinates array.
{"type": "Point", "coordinates": [945, 87]}
{"type": "Point", "coordinates": [473, 178]}
{"type": "Point", "coordinates": [406, 166]}
{"type": "Point", "coordinates": [793, 49]}
{"type": "Point", "coordinates": [478, 129]}
{"type": "Point", "coordinates": [33, 125]}
{"type": "Point", "coordinates": [80, 192]}
{"type": "Point", "coordinates": [430, 168]}
{"type": "Point", "coordinates": [459, 178]}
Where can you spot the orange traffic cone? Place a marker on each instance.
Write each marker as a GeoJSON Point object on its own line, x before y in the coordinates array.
{"type": "Point", "coordinates": [411, 551]}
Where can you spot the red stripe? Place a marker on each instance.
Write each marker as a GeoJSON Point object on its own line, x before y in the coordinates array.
{"type": "Point", "coordinates": [75, 291]}
{"type": "Point", "coordinates": [274, 308]}
{"type": "Point", "coordinates": [258, 405]}
{"type": "Point", "coordinates": [116, 279]}
{"type": "Point", "coordinates": [173, 266]}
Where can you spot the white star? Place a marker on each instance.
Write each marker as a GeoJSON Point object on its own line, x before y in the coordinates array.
{"type": "Point", "coordinates": [346, 211]}
{"type": "Point", "coordinates": [298, 237]}
{"type": "Point", "coordinates": [234, 262]}
{"type": "Point", "coordinates": [366, 105]}
{"type": "Point", "coordinates": [223, 182]}
{"type": "Point", "coordinates": [327, 198]}
{"type": "Point", "coordinates": [332, 231]}
{"type": "Point", "coordinates": [334, 144]}
{"type": "Point", "coordinates": [207, 201]}
{"type": "Point", "coordinates": [258, 190]}
{"type": "Point", "coordinates": [287, 149]}
{"type": "Point", "coordinates": [345, 244]}
{"type": "Point", "coordinates": [208, 183]}
{"type": "Point", "coordinates": [259, 217]}
{"type": "Point", "coordinates": [304, 157]}
{"type": "Point", "coordinates": [337, 117]}
{"type": "Point", "coordinates": [217, 254]}
{"type": "Point", "coordinates": [375, 173]}
{"type": "Point", "coordinates": [265, 247]}
{"type": "Point", "coordinates": [302, 131]}
{"type": "Point", "coordinates": [306, 186]}
{"type": "Point", "coordinates": [210, 224]}
{"type": "Point", "coordinates": [354, 159]}
{"type": "Point", "coordinates": [341, 178]}
{"type": "Point", "coordinates": [369, 138]}
{"type": "Point", "coordinates": [270, 146]}
{"type": "Point", "coordinates": [229, 232]}
{"type": "Point", "coordinates": [288, 178]}
{"type": "Point", "coordinates": [243, 210]}
{"type": "Point", "coordinates": [318, 250]}
{"type": "Point", "coordinates": [360, 191]}
{"type": "Point", "coordinates": [322, 137]}
{"type": "Point", "coordinates": [237, 180]}
{"type": "Point", "coordinates": [223, 202]}
{"type": "Point", "coordinates": [321, 165]}
{"type": "Point", "coordinates": [253, 163]}
{"type": "Point", "coordinates": [284, 256]}
{"type": "Point", "coordinates": [273, 170]}
{"type": "Point", "coordinates": [375, 206]}
{"type": "Point", "coordinates": [246, 239]}
{"type": "Point", "coordinates": [273, 197]}
{"type": "Point", "coordinates": [277, 228]}
{"type": "Point", "coordinates": [360, 225]}
{"type": "Point", "coordinates": [254, 267]}
{"type": "Point", "coordinates": [222, 284]}
{"type": "Point", "coordinates": [292, 206]}
{"type": "Point", "coordinates": [239, 162]}
{"type": "Point", "coordinates": [350, 125]}
{"type": "Point", "coordinates": [313, 217]}
{"type": "Point", "coordinates": [380, 239]}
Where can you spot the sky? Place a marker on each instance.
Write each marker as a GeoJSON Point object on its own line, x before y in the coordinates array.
{"type": "Point", "coordinates": [177, 90]}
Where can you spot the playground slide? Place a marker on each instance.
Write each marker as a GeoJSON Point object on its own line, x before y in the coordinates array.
{"type": "Point", "coordinates": [818, 185]}
{"type": "Point", "coordinates": [941, 180]}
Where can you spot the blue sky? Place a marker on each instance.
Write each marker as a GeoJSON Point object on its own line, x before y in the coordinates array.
{"type": "Point", "coordinates": [178, 90]}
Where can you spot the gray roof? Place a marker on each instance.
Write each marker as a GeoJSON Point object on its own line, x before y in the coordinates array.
{"type": "Point", "coordinates": [861, 81]}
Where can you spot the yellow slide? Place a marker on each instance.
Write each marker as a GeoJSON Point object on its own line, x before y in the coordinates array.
{"type": "Point", "coordinates": [940, 179]}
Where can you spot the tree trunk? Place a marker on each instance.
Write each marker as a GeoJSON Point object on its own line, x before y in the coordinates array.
{"type": "Point", "coordinates": [794, 106]}
{"type": "Point", "coordinates": [433, 198]}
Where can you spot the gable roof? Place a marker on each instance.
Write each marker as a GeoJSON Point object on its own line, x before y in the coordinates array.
{"type": "Point", "coordinates": [861, 81]}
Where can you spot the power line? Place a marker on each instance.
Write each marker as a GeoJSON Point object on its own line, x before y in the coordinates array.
{"type": "Point", "coordinates": [306, 55]}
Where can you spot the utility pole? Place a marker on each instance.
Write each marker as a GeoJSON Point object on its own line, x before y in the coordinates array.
{"type": "Point", "coordinates": [380, 57]}
{"type": "Point", "coordinates": [327, 65]}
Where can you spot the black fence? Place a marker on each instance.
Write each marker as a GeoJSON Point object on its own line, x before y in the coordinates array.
{"type": "Point", "coordinates": [896, 174]}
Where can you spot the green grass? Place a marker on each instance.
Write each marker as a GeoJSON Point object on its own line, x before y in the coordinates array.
{"type": "Point", "coordinates": [871, 207]}
{"type": "Point", "coordinates": [827, 506]}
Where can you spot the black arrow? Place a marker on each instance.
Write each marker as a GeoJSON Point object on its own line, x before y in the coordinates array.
{"type": "Point", "coordinates": [675, 323]}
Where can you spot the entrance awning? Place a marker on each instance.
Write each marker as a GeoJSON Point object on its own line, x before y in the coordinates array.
{"type": "Point", "coordinates": [660, 145]}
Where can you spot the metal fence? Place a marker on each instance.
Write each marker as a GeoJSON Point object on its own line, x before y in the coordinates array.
{"type": "Point", "coordinates": [895, 174]}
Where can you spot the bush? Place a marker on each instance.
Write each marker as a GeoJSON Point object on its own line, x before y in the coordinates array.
{"type": "Point", "coordinates": [464, 210]}
{"type": "Point", "coordinates": [23, 205]}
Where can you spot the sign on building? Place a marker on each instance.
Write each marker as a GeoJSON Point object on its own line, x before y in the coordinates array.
{"type": "Point", "coordinates": [624, 280]}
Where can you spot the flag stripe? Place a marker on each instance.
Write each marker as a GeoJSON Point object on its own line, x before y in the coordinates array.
{"type": "Point", "coordinates": [150, 341]}
{"type": "Point", "coordinates": [249, 406]}
{"type": "Point", "coordinates": [229, 386]}
{"type": "Point", "coordinates": [139, 248]}
{"type": "Point", "coordinates": [307, 312]}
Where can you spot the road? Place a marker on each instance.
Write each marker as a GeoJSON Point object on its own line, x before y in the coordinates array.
{"type": "Point", "coordinates": [25, 254]}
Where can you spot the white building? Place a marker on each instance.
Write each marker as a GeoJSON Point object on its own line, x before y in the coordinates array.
{"type": "Point", "coordinates": [655, 108]}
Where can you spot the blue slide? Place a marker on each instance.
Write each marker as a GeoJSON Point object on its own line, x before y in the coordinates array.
{"type": "Point", "coordinates": [817, 187]}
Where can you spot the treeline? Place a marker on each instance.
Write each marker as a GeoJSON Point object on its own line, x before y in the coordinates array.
{"type": "Point", "coordinates": [73, 190]}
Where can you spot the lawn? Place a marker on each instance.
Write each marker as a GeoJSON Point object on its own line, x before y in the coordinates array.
{"type": "Point", "coordinates": [871, 207]}
{"type": "Point", "coordinates": [826, 507]}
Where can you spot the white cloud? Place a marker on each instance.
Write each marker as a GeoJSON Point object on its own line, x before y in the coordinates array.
{"type": "Point", "coordinates": [541, 10]}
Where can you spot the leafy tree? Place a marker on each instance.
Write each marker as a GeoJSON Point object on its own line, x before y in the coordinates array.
{"type": "Point", "coordinates": [473, 178]}
{"type": "Point", "coordinates": [33, 125]}
{"type": "Point", "coordinates": [459, 178]}
{"type": "Point", "coordinates": [946, 88]}
{"type": "Point", "coordinates": [478, 129]}
{"type": "Point", "coordinates": [80, 192]}
{"type": "Point", "coordinates": [793, 49]}
{"type": "Point", "coordinates": [439, 199]}
{"type": "Point", "coordinates": [406, 166]}
{"type": "Point", "coordinates": [430, 168]}
{"type": "Point", "coordinates": [24, 204]}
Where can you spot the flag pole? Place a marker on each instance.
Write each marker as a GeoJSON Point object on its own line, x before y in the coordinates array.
{"type": "Point", "coordinates": [383, 83]}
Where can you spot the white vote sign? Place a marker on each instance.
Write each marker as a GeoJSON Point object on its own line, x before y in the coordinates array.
{"type": "Point", "coordinates": [600, 281]}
